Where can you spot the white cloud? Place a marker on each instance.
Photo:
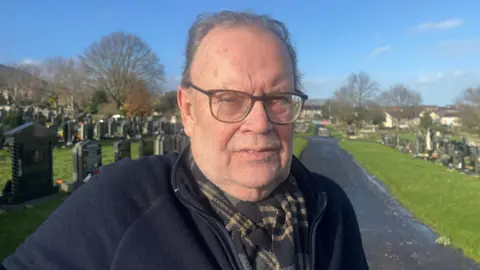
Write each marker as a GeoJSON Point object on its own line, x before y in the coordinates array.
{"type": "Point", "coordinates": [442, 25]}
{"type": "Point", "coordinates": [381, 50]}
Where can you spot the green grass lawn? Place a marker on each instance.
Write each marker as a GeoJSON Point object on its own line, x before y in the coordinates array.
{"type": "Point", "coordinates": [300, 140]}
{"type": "Point", "coordinates": [299, 144]}
{"type": "Point", "coordinates": [16, 226]}
{"type": "Point", "coordinates": [447, 201]}
{"type": "Point", "coordinates": [334, 132]}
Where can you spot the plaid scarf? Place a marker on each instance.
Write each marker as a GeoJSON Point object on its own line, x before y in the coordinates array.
{"type": "Point", "coordinates": [270, 234]}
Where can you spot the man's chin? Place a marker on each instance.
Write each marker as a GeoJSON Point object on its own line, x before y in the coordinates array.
{"type": "Point", "coordinates": [259, 179]}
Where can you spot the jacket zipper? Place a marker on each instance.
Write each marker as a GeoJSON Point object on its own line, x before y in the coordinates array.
{"type": "Point", "coordinates": [313, 234]}
{"type": "Point", "coordinates": [220, 232]}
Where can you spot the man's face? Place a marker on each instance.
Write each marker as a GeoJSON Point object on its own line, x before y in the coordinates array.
{"type": "Point", "coordinates": [250, 158]}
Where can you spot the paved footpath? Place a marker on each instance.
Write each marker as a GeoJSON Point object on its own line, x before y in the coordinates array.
{"type": "Point", "coordinates": [392, 238]}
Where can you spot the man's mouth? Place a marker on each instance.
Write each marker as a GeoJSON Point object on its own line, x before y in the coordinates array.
{"type": "Point", "coordinates": [258, 153]}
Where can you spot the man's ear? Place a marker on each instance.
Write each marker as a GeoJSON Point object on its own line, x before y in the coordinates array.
{"type": "Point", "coordinates": [186, 110]}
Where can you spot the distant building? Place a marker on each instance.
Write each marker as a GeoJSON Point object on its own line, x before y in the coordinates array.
{"type": "Point", "coordinates": [403, 117]}
{"type": "Point", "coordinates": [410, 117]}
{"type": "Point", "coordinates": [310, 111]}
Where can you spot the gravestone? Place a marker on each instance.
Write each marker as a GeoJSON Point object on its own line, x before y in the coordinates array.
{"type": "Point", "coordinates": [83, 132]}
{"type": "Point", "coordinates": [66, 133]}
{"type": "Point", "coordinates": [146, 147]}
{"type": "Point", "coordinates": [87, 160]}
{"type": "Point", "coordinates": [90, 131]}
{"type": "Point", "coordinates": [112, 128]}
{"type": "Point", "coordinates": [100, 130]}
{"type": "Point", "coordinates": [122, 149]}
{"type": "Point", "coordinates": [120, 129]}
{"type": "Point", "coordinates": [159, 144]}
{"type": "Point", "coordinates": [32, 164]}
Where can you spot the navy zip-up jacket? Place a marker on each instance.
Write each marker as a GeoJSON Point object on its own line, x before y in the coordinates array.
{"type": "Point", "coordinates": [149, 214]}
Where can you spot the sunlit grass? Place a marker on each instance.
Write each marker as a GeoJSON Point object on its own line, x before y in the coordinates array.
{"type": "Point", "coordinates": [446, 201]}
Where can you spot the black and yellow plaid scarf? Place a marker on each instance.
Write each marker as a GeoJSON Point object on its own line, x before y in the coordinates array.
{"type": "Point", "coordinates": [270, 234]}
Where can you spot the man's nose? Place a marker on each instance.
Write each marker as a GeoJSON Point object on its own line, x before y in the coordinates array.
{"type": "Point", "coordinates": [257, 120]}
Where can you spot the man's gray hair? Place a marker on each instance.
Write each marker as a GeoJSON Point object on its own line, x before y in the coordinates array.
{"type": "Point", "coordinates": [208, 21]}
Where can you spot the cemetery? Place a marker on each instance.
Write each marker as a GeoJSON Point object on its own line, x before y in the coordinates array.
{"type": "Point", "coordinates": [42, 162]}
{"type": "Point", "coordinates": [434, 176]}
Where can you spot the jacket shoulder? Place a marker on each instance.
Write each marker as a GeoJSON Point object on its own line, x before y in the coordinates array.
{"type": "Point", "coordinates": [149, 176]}
{"type": "Point", "coordinates": [86, 228]}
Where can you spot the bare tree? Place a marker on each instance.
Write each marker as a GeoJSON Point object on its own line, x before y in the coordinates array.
{"type": "Point", "coordinates": [353, 97]}
{"type": "Point", "coordinates": [469, 102]}
{"type": "Point", "coordinates": [362, 88]}
{"type": "Point", "coordinates": [346, 96]}
{"type": "Point", "coordinates": [67, 81]}
{"type": "Point", "coordinates": [401, 96]}
{"type": "Point", "coordinates": [118, 61]}
{"type": "Point", "coordinates": [23, 83]}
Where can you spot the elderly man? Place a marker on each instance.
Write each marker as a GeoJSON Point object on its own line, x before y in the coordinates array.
{"type": "Point", "coordinates": [235, 199]}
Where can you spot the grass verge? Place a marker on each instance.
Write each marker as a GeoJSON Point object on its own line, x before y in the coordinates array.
{"type": "Point", "coordinates": [446, 201]}
{"type": "Point", "coordinates": [299, 144]}
{"type": "Point", "coordinates": [300, 141]}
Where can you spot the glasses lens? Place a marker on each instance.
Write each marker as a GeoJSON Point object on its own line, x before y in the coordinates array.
{"type": "Point", "coordinates": [230, 106]}
{"type": "Point", "coordinates": [284, 108]}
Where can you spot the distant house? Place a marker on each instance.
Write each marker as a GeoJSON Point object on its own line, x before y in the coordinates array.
{"type": "Point", "coordinates": [450, 118]}
{"type": "Point", "coordinates": [310, 110]}
{"type": "Point", "coordinates": [403, 117]}
{"type": "Point", "coordinates": [434, 115]}
{"type": "Point", "coordinates": [448, 115]}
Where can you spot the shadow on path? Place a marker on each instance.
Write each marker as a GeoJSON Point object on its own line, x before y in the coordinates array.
{"type": "Point", "coordinates": [392, 237]}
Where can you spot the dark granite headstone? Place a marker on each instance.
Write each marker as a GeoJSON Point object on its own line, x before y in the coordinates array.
{"type": "Point", "coordinates": [87, 159]}
{"type": "Point", "coordinates": [32, 164]}
{"type": "Point", "coordinates": [122, 149]}
{"type": "Point", "coordinates": [112, 128]}
{"type": "Point", "coordinates": [146, 147]}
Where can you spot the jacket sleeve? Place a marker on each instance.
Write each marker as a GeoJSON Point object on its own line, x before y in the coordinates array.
{"type": "Point", "coordinates": [83, 233]}
{"type": "Point", "coordinates": [354, 254]}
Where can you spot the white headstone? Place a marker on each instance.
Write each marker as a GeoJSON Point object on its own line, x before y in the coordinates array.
{"type": "Point", "coordinates": [428, 141]}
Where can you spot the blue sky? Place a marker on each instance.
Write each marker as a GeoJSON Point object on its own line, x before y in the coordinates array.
{"type": "Point", "coordinates": [432, 46]}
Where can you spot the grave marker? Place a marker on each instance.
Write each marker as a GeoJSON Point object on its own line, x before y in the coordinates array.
{"type": "Point", "coordinates": [87, 159]}
{"type": "Point", "coordinates": [122, 149]}
{"type": "Point", "coordinates": [146, 147]}
{"type": "Point", "coordinates": [159, 144]}
{"type": "Point", "coordinates": [32, 164]}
